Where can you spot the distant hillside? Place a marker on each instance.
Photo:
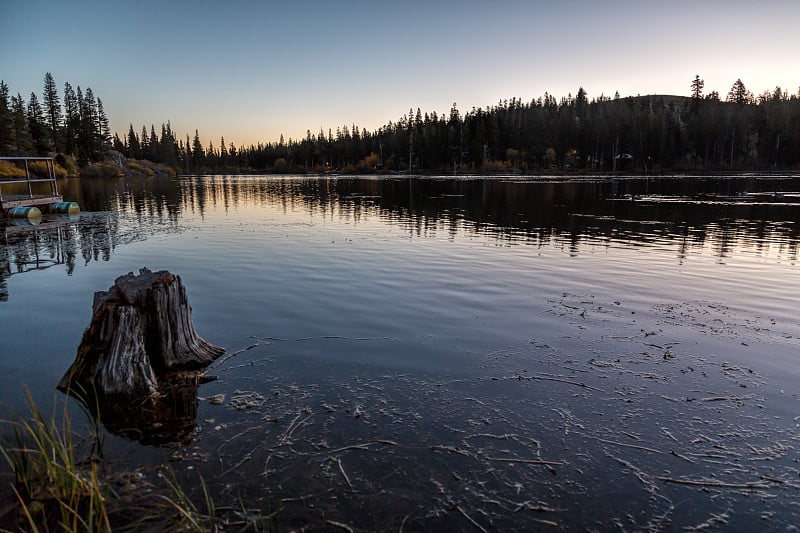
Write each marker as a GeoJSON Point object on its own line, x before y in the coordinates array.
{"type": "Point", "coordinates": [667, 99]}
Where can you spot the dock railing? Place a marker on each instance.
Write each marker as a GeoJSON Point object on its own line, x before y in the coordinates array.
{"type": "Point", "coordinates": [29, 180]}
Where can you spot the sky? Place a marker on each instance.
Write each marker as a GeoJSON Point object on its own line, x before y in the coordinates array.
{"type": "Point", "coordinates": [251, 71]}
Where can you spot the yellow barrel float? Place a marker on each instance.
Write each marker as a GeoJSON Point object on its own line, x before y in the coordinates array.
{"type": "Point", "coordinates": [17, 222]}
{"type": "Point", "coordinates": [28, 212]}
{"type": "Point", "coordinates": [65, 208]}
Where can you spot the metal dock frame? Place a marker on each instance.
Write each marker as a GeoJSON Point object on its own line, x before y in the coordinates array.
{"type": "Point", "coordinates": [32, 199]}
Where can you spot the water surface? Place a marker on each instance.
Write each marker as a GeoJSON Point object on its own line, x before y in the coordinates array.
{"type": "Point", "coordinates": [441, 352]}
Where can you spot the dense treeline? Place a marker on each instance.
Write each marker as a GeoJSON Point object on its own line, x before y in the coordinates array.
{"type": "Point", "coordinates": [79, 128]}
{"type": "Point", "coordinates": [650, 133]}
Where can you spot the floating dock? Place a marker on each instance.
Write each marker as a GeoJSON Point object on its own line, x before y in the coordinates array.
{"type": "Point", "coordinates": [42, 191]}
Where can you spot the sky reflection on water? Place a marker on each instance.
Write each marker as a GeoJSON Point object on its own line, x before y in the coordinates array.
{"type": "Point", "coordinates": [410, 257]}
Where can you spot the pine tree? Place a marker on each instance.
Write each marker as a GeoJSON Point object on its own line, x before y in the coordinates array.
{"type": "Point", "coordinates": [211, 155]}
{"type": "Point", "coordinates": [455, 116]}
{"type": "Point", "coordinates": [223, 152]}
{"type": "Point", "coordinates": [72, 120]}
{"type": "Point", "coordinates": [134, 151]}
{"type": "Point", "coordinates": [144, 143]}
{"type": "Point", "coordinates": [103, 129]}
{"type": "Point", "coordinates": [23, 143]}
{"type": "Point", "coordinates": [118, 145]}
{"type": "Point", "coordinates": [80, 130]}
{"type": "Point", "coordinates": [37, 126]}
{"type": "Point", "coordinates": [168, 146]}
{"type": "Point", "coordinates": [197, 151]}
{"type": "Point", "coordinates": [155, 150]}
{"type": "Point", "coordinates": [6, 120]}
{"type": "Point", "coordinates": [89, 143]}
{"type": "Point", "coordinates": [52, 106]}
{"type": "Point", "coordinates": [739, 93]}
{"type": "Point", "coordinates": [697, 87]}
{"type": "Point", "coordinates": [186, 154]}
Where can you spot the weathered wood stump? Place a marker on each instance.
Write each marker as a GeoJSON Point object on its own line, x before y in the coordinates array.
{"type": "Point", "coordinates": [140, 342]}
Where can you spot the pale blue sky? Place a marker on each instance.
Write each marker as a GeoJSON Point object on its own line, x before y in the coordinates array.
{"type": "Point", "coordinates": [251, 71]}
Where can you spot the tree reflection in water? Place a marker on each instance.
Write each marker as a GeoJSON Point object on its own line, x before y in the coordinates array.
{"type": "Point", "coordinates": [724, 213]}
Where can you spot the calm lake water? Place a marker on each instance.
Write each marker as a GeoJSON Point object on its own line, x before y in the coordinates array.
{"type": "Point", "coordinates": [441, 353]}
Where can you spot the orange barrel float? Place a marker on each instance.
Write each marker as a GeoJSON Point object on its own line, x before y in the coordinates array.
{"type": "Point", "coordinates": [65, 208]}
{"type": "Point", "coordinates": [27, 212]}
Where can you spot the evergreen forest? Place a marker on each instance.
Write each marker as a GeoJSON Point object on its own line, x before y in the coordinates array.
{"type": "Point", "coordinates": [655, 133]}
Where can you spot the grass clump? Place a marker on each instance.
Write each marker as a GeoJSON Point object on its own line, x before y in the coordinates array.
{"type": "Point", "coordinates": [69, 163]}
{"type": "Point", "coordinates": [105, 169]}
{"type": "Point", "coordinates": [56, 488]}
{"type": "Point", "coordinates": [42, 169]}
{"type": "Point", "coordinates": [39, 169]}
{"type": "Point", "coordinates": [10, 170]}
{"type": "Point", "coordinates": [140, 169]}
{"type": "Point", "coordinates": [53, 489]}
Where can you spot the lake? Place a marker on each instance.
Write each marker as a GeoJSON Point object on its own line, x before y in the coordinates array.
{"type": "Point", "coordinates": [449, 353]}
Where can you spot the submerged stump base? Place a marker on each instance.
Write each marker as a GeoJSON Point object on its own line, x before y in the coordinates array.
{"type": "Point", "coordinates": [140, 343]}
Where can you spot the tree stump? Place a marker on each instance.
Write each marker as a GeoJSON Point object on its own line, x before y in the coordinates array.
{"type": "Point", "coordinates": [141, 339]}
